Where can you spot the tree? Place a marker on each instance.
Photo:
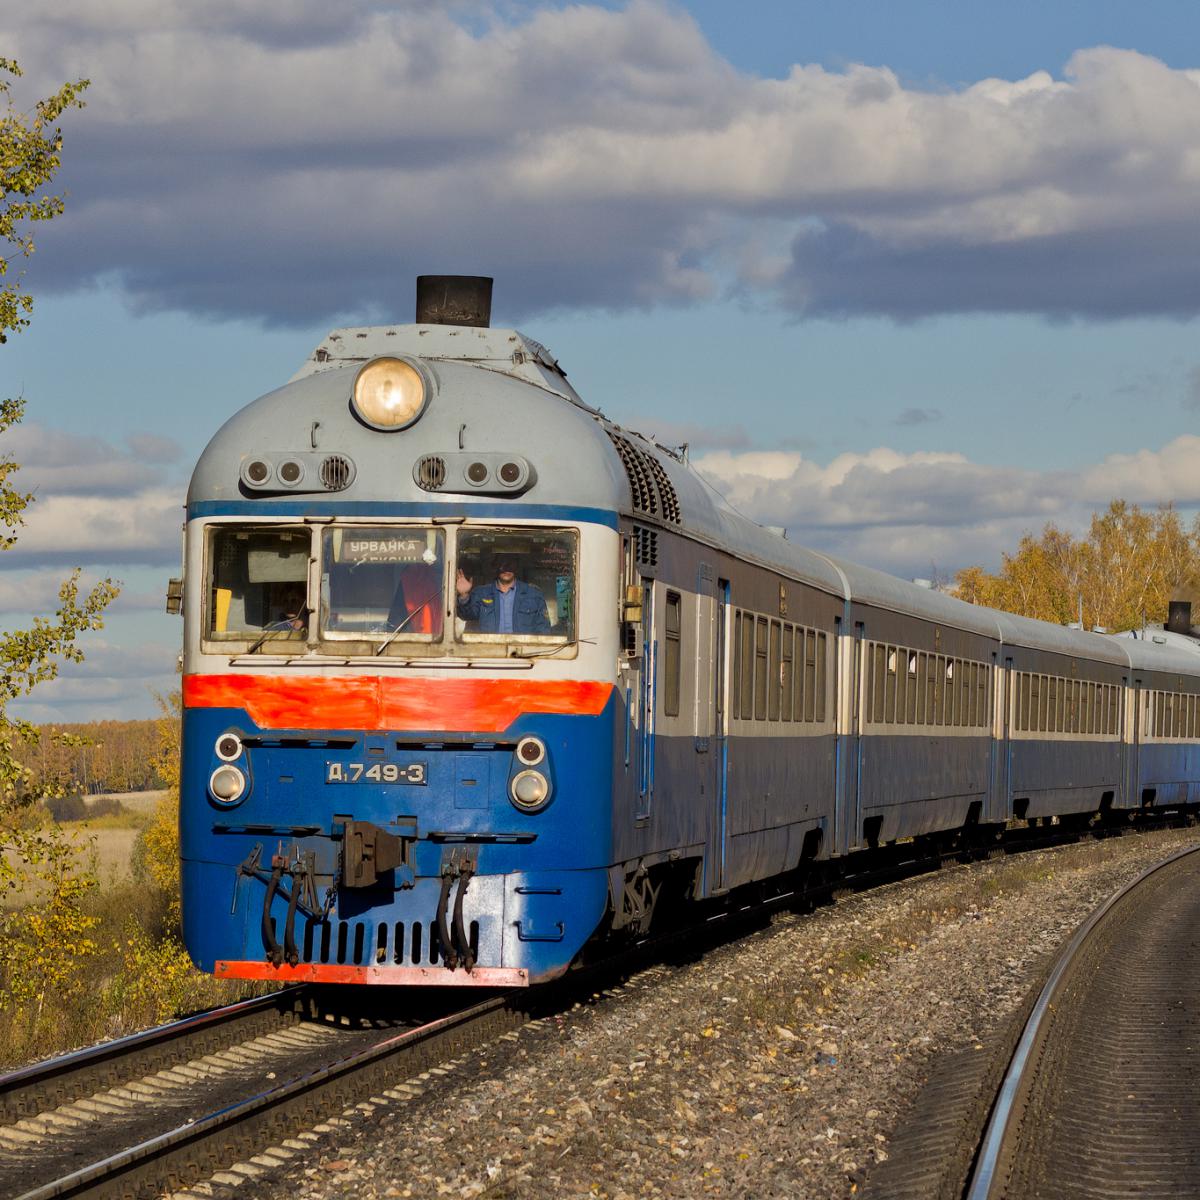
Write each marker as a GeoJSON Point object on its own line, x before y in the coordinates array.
{"type": "Point", "coordinates": [29, 157]}
{"type": "Point", "coordinates": [1130, 564]}
{"type": "Point", "coordinates": [40, 942]}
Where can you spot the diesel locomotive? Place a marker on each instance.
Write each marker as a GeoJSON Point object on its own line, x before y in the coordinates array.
{"type": "Point", "coordinates": [475, 678]}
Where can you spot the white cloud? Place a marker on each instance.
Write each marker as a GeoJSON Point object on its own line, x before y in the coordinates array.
{"type": "Point", "coordinates": [322, 156]}
{"type": "Point", "coordinates": [118, 681]}
{"type": "Point", "coordinates": [35, 591]}
{"type": "Point", "coordinates": [904, 511]}
{"type": "Point", "coordinates": [93, 503]}
{"type": "Point", "coordinates": [139, 527]}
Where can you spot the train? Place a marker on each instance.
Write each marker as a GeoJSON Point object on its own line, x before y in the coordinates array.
{"type": "Point", "coordinates": [477, 681]}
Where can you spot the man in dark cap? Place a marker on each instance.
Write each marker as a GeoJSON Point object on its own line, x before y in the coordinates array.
{"type": "Point", "coordinates": [507, 605]}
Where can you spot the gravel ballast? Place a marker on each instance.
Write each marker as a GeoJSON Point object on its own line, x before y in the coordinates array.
{"type": "Point", "coordinates": [775, 1066]}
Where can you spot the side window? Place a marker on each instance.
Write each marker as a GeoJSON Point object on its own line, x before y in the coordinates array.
{"type": "Point", "coordinates": [889, 712]}
{"type": "Point", "coordinates": [747, 709]}
{"type": "Point", "coordinates": [760, 670]}
{"type": "Point", "coordinates": [810, 674]}
{"type": "Point", "coordinates": [875, 683]}
{"type": "Point", "coordinates": [736, 682]}
{"type": "Point", "coordinates": [786, 674]}
{"type": "Point", "coordinates": [820, 680]}
{"type": "Point", "coordinates": [775, 676]}
{"type": "Point", "coordinates": [912, 690]}
{"type": "Point", "coordinates": [672, 657]}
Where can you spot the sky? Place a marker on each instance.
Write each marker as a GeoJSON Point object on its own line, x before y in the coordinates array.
{"type": "Point", "coordinates": [911, 280]}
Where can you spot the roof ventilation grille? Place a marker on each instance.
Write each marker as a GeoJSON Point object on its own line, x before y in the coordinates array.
{"type": "Point", "coordinates": [668, 500]}
{"type": "Point", "coordinates": [649, 484]}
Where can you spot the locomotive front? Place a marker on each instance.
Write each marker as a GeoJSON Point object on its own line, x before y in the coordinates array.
{"type": "Point", "coordinates": [400, 645]}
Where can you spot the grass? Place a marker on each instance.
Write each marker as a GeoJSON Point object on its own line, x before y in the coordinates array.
{"type": "Point", "coordinates": [139, 976]}
{"type": "Point", "coordinates": [125, 972]}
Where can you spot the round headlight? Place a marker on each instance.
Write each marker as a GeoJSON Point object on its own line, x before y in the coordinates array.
{"type": "Point", "coordinates": [529, 790]}
{"type": "Point", "coordinates": [228, 747]}
{"type": "Point", "coordinates": [530, 751]}
{"type": "Point", "coordinates": [389, 393]}
{"type": "Point", "coordinates": [227, 784]}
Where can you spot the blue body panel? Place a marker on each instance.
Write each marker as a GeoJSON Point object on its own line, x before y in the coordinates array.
{"type": "Point", "coordinates": [536, 897]}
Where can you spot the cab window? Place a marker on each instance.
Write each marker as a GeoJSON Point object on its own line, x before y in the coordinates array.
{"type": "Point", "coordinates": [515, 584]}
{"type": "Point", "coordinates": [382, 583]}
{"type": "Point", "coordinates": [257, 584]}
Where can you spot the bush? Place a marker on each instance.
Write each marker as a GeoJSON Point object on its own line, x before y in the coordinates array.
{"type": "Point", "coordinates": [75, 808]}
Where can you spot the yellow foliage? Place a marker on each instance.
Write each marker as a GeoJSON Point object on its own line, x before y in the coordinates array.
{"type": "Point", "coordinates": [154, 980]}
{"type": "Point", "coordinates": [44, 944]}
{"type": "Point", "coordinates": [160, 839]}
{"type": "Point", "coordinates": [1123, 573]}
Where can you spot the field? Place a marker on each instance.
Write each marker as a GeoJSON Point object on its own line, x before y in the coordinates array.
{"type": "Point", "coordinates": [108, 841]}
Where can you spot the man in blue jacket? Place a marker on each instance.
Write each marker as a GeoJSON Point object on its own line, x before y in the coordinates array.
{"type": "Point", "coordinates": [508, 605]}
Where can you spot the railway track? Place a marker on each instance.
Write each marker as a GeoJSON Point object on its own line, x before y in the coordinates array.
{"type": "Point", "coordinates": [201, 1093]}
{"type": "Point", "coordinates": [1093, 1087]}
{"type": "Point", "coordinates": [1101, 1097]}
{"type": "Point", "coordinates": [163, 1109]}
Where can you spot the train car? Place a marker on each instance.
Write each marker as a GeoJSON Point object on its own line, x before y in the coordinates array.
{"type": "Point", "coordinates": [475, 678]}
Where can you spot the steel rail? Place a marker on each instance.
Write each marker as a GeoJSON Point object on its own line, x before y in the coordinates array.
{"type": "Point", "coordinates": [1001, 1123]}
{"type": "Point", "coordinates": [159, 1159]}
{"type": "Point", "coordinates": [71, 1076]}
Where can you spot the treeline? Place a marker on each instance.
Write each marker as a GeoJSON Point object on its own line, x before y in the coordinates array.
{"type": "Point", "coordinates": [98, 756]}
{"type": "Point", "coordinates": [1120, 575]}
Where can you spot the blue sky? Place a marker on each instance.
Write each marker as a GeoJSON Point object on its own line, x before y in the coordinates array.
{"type": "Point", "coordinates": [905, 312]}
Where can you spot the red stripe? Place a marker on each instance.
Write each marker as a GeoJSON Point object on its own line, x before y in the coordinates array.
{"type": "Point", "coordinates": [410, 976]}
{"type": "Point", "coordinates": [388, 702]}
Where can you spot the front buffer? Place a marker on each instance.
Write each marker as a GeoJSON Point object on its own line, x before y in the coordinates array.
{"type": "Point", "coordinates": [400, 857]}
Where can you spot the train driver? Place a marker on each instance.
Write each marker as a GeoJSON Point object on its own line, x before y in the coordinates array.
{"type": "Point", "coordinates": [507, 605]}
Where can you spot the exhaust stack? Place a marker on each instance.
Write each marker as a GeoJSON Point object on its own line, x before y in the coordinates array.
{"type": "Point", "coordinates": [454, 300]}
{"type": "Point", "coordinates": [1179, 616]}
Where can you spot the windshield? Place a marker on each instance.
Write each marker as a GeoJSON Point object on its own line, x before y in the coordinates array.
{"type": "Point", "coordinates": [382, 582]}
{"type": "Point", "coordinates": [398, 590]}
{"type": "Point", "coordinates": [258, 584]}
{"type": "Point", "coordinates": [516, 583]}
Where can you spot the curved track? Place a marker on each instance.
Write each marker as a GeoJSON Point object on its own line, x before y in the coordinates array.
{"type": "Point", "coordinates": [1102, 1097]}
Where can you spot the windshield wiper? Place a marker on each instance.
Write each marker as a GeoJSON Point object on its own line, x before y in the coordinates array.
{"type": "Point", "coordinates": [391, 637]}
{"type": "Point", "coordinates": [277, 627]}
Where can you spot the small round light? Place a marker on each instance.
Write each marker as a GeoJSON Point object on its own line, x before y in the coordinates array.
{"type": "Point", "coordinates": [229, 747]}
{"type": "Point", "coordinates": [529, 790]}
{"type": "Point", "coordinates": [477, 473]}
{"type": "Point", "coordinates": [388, 393]}
{"type": "Point", "coordinates": [227, 784]}
{"type": "Point", "coordinates": [258, 471]}
{"type": "Point", "coordinates": [531, 751]}
{"type": "Point", "coordinates": [510, 473]}
{"type": "Point", "coordinates": [291, 471]}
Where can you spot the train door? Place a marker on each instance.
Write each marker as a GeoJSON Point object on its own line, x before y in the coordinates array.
{"type": "Point", "coordinates": [646, 701]}
{"type": "Point", "coordinates": [718, 772]}
{"type": "Point", "coordinates": [847, 814]}
{"type": "Point", "coordinates": [1131, 739]}
{"type": "Point", "coordinates": [1004, 689]}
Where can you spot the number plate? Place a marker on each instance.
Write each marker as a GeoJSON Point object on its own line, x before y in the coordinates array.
{"type": "Point", "coordinates": [378, 772]}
